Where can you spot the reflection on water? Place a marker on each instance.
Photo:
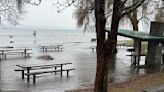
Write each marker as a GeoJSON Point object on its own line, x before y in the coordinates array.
{"type": "Point", "coordinates": [83, 60]}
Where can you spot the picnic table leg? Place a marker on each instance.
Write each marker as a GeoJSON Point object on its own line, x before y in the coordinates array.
{"type": "Point", "coordinates": [22, 74]}
{"type": "Point", "coordinates": [67, 72]}
{"type": "Point", "coordinates": [43, 48]}
{"type": "Point", "coordinates": [25, 52]}
{"type": "Point", "coordinates": [92, 49]}
{"type": "Point", "coordinates": [131, 57]}
{"type": "Point", "coordinates": [2, 54]}
{"type": "Point", "coordinates": [55, 70]}
{"type": "Point", "coordinates": [34, 79]}
{"type": "Point", "coordinates": [5, 56]}
{"type": "Point", "coordinates": [28, 76]}
{"type": "Point", "coordinates": [61, 49]}
{"type": "Point", "coordinates": [22, 53]}
{"type": "Point", "coordinates": [61, 70]}
{"type": "Point", "coordinates": [58, 48]}
{"type": "Point", "coordinates": [28, 54]}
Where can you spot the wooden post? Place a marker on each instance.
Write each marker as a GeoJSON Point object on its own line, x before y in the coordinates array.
{"type": "Point", "coordinates": [154, 55]}
{"type": "Point", "coordinates": [138, 52]}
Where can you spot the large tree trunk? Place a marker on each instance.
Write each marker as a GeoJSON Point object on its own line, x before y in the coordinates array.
{"type": "Point", "coordinates": [111, 43]}
{"type": "Point", "coordinates": [105, 52]}
{"type": "Point", "coordinates": [154, 54]}
{"type": "Point", "coordinates": [100, 30]}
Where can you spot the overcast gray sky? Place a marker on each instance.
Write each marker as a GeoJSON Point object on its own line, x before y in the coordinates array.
{"type": "Point", "coordinates": [46, 15]}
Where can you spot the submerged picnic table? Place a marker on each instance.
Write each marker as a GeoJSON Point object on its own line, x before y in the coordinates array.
{"type": "Point", "coordinates": [14, 51]}
{"type": "Point", "coordinates": [40, 67]}
{"type": "Point", "coordinates": [58, 47]}
{"type": "Point", "coordinates": [131, 50]}
{"type": "Point", "coordinates": [134, 55]}
{"type": "Point", "coordinates": [93, 48]}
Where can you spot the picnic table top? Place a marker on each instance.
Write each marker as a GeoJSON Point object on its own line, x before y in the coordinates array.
{"type": "Point", "coordinates": [41, 65]}
{"type": "Point", "coordinates": [7, 47]}
{"type": "Point", "coordinates": [142, 54]}
{"type": "Point", "coordinates": [51, 45]}
{"type": "Point", "coordinates": [130, 49]}
{"type": "Point", "coordinates": [14, 49]}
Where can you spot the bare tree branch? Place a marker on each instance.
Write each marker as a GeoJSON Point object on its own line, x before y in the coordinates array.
{"type": "Point", "coordinates": [62, 6]}
{"type": "Point", "coordinates": [9, 12]}
{"type": "Point", "coordinates": [33, 2]}
{"type": "Point", "coordinates": [129, 9]}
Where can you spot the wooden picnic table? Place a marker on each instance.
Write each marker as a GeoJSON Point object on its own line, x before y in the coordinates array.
{"type": "Point", "coordinates": [39, 66]}
{"type": "Point", "coordinates": [44, 48]}
{"type": "Point", "coordinates": [131, 50]}
{"type": "Point", "coordinates": [93, 48]}
{"type": "Point", "coordinates": [7, 51]}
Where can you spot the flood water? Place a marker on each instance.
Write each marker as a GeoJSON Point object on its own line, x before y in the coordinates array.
{"type": "Point", "coordinates": [83, 60]}
{"type": "Point", "coordinates": [76, 50]}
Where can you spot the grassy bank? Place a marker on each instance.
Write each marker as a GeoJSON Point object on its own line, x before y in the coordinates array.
{"type": "Point", "coordinates": [140, 83]}
{"type": "Point", "coordinates": [129, 43]}
{"type": "Point", "coordinates": [137, 84]}
{"type": "Point", "coordinates": [144, 45]}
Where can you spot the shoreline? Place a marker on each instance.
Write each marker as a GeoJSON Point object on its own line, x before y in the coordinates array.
{"type": "Point", "coordinates": [141, 83]}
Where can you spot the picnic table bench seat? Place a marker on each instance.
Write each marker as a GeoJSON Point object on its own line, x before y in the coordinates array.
{"type": "Point", "coordinates": [35, 68]}
{"type": "Point", "coordinates": [14, 51]}
{"type": "Point", "coordinates": [136, 55]}
{"type": "Point", "coordinates": [49, 71]}
{"type": "Point", "coordinates": [40, 69]}
{"type": "Point", "coordinates": [27, 54]}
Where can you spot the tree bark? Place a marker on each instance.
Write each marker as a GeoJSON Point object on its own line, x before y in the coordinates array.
{"type": "Point", "coordinates": [100, 30]}
{"type": "Point", "coordinates": [111, 43]}
{"type": "Point", "coordinates": [105, 51]}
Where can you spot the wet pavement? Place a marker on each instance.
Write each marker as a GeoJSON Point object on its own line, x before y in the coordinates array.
{"type": "Point", "coordinates": [83, 59]}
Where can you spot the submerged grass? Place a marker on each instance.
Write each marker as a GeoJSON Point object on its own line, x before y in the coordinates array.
{"type": "Point", "coordinates": [138, 84]}
{"type": "Point", "coordinates": [144, 45]}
